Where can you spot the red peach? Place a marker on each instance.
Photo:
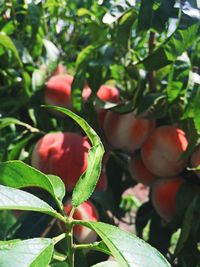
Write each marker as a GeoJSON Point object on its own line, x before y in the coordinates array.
{"type": "Point", "coordinates": [86, 212]}
{"type": "Point", "coordinates": [163, 196]}
{"type": "Point", "coordinates": [195, 160]}
{"type": "Point", "coordinates": [108, 94]}
{"type": "Point", "coordinates": [60, 70]}
{"type": "Point", "coordinates": [162, 151]}
{"type": "Point", "coordinates": [127, 131]}
{"type": "Point", "coordinates": [58, 91]}
{"type": "Point", "coordinates": [139, 172]}
{"type": "Point", "coordinates": [64, 155]}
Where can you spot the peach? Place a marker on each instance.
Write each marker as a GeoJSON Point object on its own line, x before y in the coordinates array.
{"type": "Point", "coordinates": [139, 172]}
{"type": "Point", "coordinates": [58, 91]}
{"type": "Point", "coordinates": [86, 212]}
{"type": "Point", "coordinates": [60, 70]}
{"type": "Point", "coordinates": [163, 196]}
{"type": "Point", "coordinates": [64, 155]}
{"type": "Point", "coordinates": [195, 160]}
{"type": "Point", "coordinates": [162, 151]}
{"type": "Point", "coordinates": [108, 94]}
{"type": "Point", "coordinates": [127, 131]}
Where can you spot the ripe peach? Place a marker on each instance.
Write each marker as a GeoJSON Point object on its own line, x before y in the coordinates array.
{"type": "Point", "coordinates": [127, 131]}
{"type": "Point", "coordinates": [163, 196]}
{"type": "Point", "coordinates": [58, 91]}
{"type": "Point", "coordinates": [64, 155]}
{"type": "Point", "coordinates": [162, 151]}
{"type": "Point", "coordinates": [195, 160]}
{"type": "Point", "coordinates": [60, 70]}
{"type": "Point", "coordinates": [108, 94]}
{"type": "Point", "coordinates": [86, 212]}
{"type": "Point", "coordinates": [138, 170]}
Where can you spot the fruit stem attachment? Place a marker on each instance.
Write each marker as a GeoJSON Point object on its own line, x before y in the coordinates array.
{"type": "Point", "coordinates": [151, 75]}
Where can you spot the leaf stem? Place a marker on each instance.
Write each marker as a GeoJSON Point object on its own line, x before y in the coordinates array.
{"type": "Point", "coordinates": [70, 246]}
{"type": "Point", "coordinates": [71, 213]}
{"type": "Point", "coordinates": [58, 238]}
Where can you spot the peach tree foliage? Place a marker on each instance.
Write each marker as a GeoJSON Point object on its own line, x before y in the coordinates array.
{"type": "Point", "coordinates": [15, 174]}
{"type": "Point", "coordinates": [152, 50]}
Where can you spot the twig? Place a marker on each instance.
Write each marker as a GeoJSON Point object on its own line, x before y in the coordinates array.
{"type": "Point", "coordinates": [151, 75]}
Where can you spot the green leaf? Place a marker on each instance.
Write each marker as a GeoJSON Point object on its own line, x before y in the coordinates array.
{"type": "Point", "coordinates": [81, 12]}
{"type": "Point", "coordinates": [180, 40]}
{"type": "Point", "coordinates": [18, 174]}
{"type": "Point", "coordinates": [145, 15]}
{"type": "Point", "coordinates": [7, 43]}
{"type": "Point", "coordinates": [17, 148]}
{"type": "Point", "coordinates": [117, 10]}
{"type": "Point", "coordinates": [186, 227]}
{"type": "Point", "coordinates": [124, 27]}
{"type": "Point", "coordinates": [155, 14]}
{"type": "Point", "coordinates": [192, 108]}
{"type": "Point", "coordinates": [38, 79]}
{"type": "Point", "coordinates": [32, 252]}
{"type": "Point", "coordinates": [34, 19]}
{"type": "Point", "coordinates": [152, 104]}
{"type": "Point", "coordinates": [100, 246]}
{"type": "Point", "coordinates": [7, 220]}
{"type": "Point", "coordinates": [127, 249]}
{"type": "Point", "coordinates": [178, 77]}
{"type": "Point", "coordinates": [4, 122]}
{"type": "Point", "coordinates": [58, 186]}
{"type": "Point", "coordinates": [84, 55]}
{"type": "Point", "coordinates": [51, 54]}
{"type": "Point", "coordinates": [23, 52]}
{"type": "Point", "coordinates": [15, 199]}
{"type": "Point", "coordinates": [77, 87]}
{"type": "Point", "coordinates": [87, 182]}
{"type": "Point", "coordinates": [107, 264]}
{"type": "Point", "coordinates": [162, 12]}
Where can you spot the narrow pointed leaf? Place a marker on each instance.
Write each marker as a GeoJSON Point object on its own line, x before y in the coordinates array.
{"type": "Point", "coordinates": [127, 249]}
{"type": "Point", "coordinates": [7, 43]}
{"type": "Point", "coordinates": [18, 174]}
{"type": "Point", "coordinates": [178, 77]}
{"type": "Point", "coordinates": [87, 182]}
{"type": "Point", "coordinates": [15, 199]}
{"type": "Point", "coordinates": [4, 122]}
{"type": "Point", "coordinates": [179, 41]}
{"type": "Point", "coordinates": [27, 253]}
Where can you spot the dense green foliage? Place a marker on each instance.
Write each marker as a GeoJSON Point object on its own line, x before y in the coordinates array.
{"type": "Point", "coordinates": [150, 51]}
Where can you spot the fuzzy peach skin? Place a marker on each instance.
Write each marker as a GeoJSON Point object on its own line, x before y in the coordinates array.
{"type": "Point", "coordinates": [85, 212]}
{"type": "Point", "coordinates": [60, 70]}
{"type": "Point", "coordinates": [195, 160]}
{"type": "Point", "coordinates": [163, 196]}
{"type": "Point", "coordinates": [58, 91]}
{"type": "Point", "coordinates": [138, 170]}
{"type": "Point", "coordinates": [108, 94]}
{"type": "Point", "coordinates": [162, 151]}
{"type": "Point", "coordinates": [126, 131]}
{"type": "Point", "coordinates": [64, 155]}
